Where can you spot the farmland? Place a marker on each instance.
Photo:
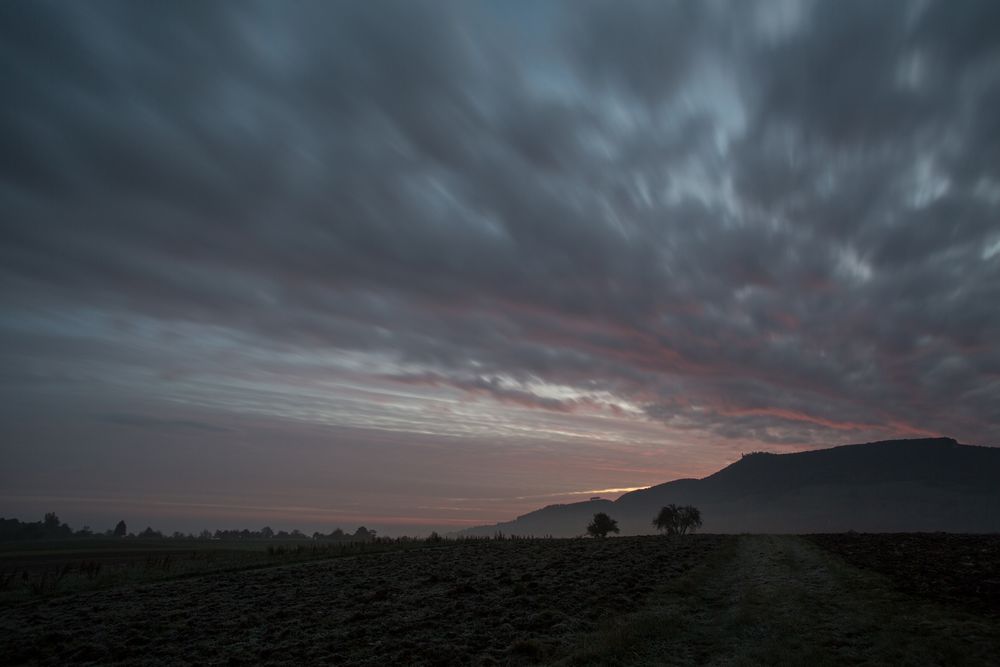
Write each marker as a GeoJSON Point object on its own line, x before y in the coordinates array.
{"type": "Point", "coordinates": [58, 567]}
{"type": "Point", "coordinates": [958, 570]}
{"type": "Point", "coordinates": [482, 600]}
{"type": "Point", "coordinates": [636, 600]}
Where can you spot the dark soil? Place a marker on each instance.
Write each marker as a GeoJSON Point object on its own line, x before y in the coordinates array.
{"type": "Point", "coordinates": [475, 602]}
{"type": "Point", "coordinates": [963, 570]}
{"type": "Point", "coordinates": [783, 600]}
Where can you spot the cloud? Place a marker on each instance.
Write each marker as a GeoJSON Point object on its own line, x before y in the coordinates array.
{"type": "Point", "coordinates": [145, 421]}
{"type": "Point", "coordinates": [761, 221]}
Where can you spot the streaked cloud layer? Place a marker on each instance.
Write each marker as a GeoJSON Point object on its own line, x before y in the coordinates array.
{"type": "Point", "coordinates": [383, 259]}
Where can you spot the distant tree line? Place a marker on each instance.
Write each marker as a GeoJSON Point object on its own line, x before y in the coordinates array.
{"type": "Point", "coordinates": [51, 528]}
{"type": "Point", "coordinates": [362, 534]}
{"type": "Point", "coordinates": [48, 528]}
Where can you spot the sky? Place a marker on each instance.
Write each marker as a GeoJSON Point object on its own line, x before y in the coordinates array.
{"type": "Point", "coordinates": [436, 264]}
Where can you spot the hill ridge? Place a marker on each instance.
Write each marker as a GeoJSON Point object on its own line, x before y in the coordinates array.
{"type": "Point", "coordinates": [903, 485]}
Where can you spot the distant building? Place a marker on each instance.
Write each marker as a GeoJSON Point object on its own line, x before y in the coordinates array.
{"type": "Point", "coordinates": [595, 497]}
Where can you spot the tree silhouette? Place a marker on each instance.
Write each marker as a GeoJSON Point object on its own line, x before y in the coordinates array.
{"type": "Point", "coordinates": [674, 520]}
{"type": "Point", "coordinates": [690, 519]}
{"type": "Point", "coordinates": [52, 527]}
{"type": "Point", "coordinates": [602, 525]}
{"type": "Point", "coordinates": [666, 520]}
{"type": "Point", "coordinates": [120, 529]}
{"type": "Point", "coordinates": [149, 532]}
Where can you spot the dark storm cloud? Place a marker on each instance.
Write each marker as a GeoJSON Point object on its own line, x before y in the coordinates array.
{"type": "Point", "coordinates": [775, 219]}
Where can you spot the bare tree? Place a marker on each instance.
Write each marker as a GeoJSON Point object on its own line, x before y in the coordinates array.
{"type": "Point", "coordinates": [674, 520]}
{"type": "Point", "coordinates": [690, 519]}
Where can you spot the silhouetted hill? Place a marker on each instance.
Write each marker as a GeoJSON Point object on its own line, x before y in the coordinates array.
{"type": "Point", "coordinates": [933, 484]}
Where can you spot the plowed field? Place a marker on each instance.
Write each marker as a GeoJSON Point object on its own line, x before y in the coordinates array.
{"type": "Point", "coordinates": [475, 602]}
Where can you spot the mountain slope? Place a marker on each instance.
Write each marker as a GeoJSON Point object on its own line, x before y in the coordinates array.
{"type": "Point", "coordinates": [931, 484]}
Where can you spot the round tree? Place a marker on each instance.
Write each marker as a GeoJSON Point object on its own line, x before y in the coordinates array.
{"type": "Point", "coordinates": [602, 525]}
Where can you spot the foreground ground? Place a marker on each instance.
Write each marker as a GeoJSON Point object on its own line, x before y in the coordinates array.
{"type": "Point", "coordinates": [464, 602]}
{"type": "Point", "coordinates": [960, 570]}
{"type": "Point", "coordinates": [782, 600]}
{"type": "Point", "coordinates": [695, 600]}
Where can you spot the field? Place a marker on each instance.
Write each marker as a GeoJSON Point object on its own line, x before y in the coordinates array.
{"type": "Point", "coordinates": [29, 569]}
{"type": "Point", "coordinates": [482, 601]}
{"type": "Point", "coordinates": [959, 570]}
{"type": "Point", "coordinates": [637, 600]}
